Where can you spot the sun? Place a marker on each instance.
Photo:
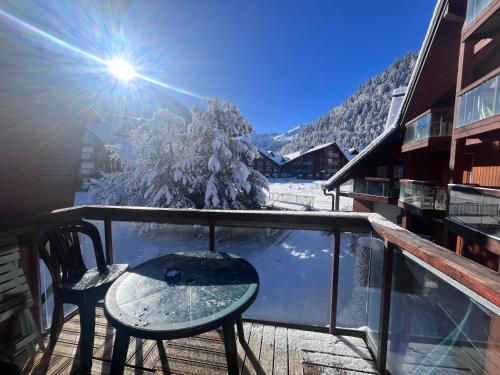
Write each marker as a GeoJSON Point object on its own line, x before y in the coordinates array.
{"type": "Point", "coordinates": [121, 69]}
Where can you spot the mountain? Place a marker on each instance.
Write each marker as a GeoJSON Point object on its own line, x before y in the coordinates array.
{"type": "Point", "coordinates": [275, 141]}
{"type": "Point", "coordinates": [361, 117]}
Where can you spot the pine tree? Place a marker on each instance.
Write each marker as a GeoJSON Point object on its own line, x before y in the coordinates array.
{"type": "Point", "coordinates": [204, 164]}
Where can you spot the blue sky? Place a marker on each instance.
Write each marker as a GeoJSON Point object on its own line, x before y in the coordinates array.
{"type": "Point", "coordinates": [285, 62]}
{"type": "Point", "coordinates": [282, 62]}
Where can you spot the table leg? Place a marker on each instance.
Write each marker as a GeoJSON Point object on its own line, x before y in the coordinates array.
{"type": "Point", "coordinates": [230, 346]}
{"type": "Point", "coordinates": [241, 333]}
{"type": "Point", "coordinates": [120, 349]}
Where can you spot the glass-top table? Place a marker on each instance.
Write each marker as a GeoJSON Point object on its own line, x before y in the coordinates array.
{"type": "Point", "coordinates": [181, 295]}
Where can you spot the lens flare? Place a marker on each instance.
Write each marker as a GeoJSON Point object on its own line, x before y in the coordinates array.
{"type": "Point", "coordinates": [121, 69]}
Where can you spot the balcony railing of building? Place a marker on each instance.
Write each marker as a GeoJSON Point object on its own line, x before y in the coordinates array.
{"type": "Point", "coordinates": [476, 207]}
{"type": "Point", "coordinates": [418, 306]}
{"type": "Point", "coordinates": [474, 9]}
{"type": "Point", "coordinates": [479, 102]}
{"type": "Point", "coordinates": [424, 195]}
{"type": "Point", "coordinates": [435, 123]}
{"type": "Point", "coordinates": [376, 186]}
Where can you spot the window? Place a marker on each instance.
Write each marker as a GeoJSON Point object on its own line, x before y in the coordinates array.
{"type": "Point", "coordinates": [87, 168]}
{"type": "Point", "coordinates": [87, 152]}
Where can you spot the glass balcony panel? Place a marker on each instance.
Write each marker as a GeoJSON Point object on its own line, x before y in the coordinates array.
{"type": "Point", "coordinates": [434, 327]}
{"type": "Point", "coordinates": [359, 186]}
{"type": "Point", "coordinates": [374, 294]}
{"type": "Point", "coordinates": [294, 268]}
{"type": "Point", "coordinates": [135, 243]}
{"type": "Point", "coordinates": [354, 267]}
{"type": "Point", "coordinates": [422, 195]}
{"type": "Point", "coordinates": [474, 9]}
{"type": "Point", "coordinates": [479, 103]}
{"type": "Point", "coordinates": [434, 124]}
{"type": "Point", "coordinates": [377, 188]}
{"type": "Point", "coordinates": [476, 208]}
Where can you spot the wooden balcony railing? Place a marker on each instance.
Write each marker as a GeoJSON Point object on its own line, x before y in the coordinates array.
{"type": "Point", "coordinates": [468, 280]}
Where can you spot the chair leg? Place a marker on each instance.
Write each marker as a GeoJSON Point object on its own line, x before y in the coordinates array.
{"type": "Point", "coordinates": [87, 331]}
{"type": "Point", "coordinates": [57, 319]}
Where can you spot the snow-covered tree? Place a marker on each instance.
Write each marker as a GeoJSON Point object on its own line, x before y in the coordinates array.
{"type": "Point", "coordinates": [204, 164]}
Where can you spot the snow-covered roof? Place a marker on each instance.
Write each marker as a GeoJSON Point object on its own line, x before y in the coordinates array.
{"type": "Point", "coordinates": [350, 153]}
{"type": "Point", "coordinates": [283, 159]}
{"type": "Point", "coordinates": [391, 131]}
{"type": "Point", "coordinates": [274, 156]}
{"type": "Point", "coordinates": [295, 155]}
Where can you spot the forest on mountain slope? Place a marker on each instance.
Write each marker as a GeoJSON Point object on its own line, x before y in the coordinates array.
{"type": "Point", "coordinates": [361, 117]}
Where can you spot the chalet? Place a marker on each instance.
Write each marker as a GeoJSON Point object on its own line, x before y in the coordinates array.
{"type": "Point", "coordinates": [319, 162]}
{"type": "Point", "coordinates": [268, 163]}
{"type": "Point", "coordinates": [436, 170]}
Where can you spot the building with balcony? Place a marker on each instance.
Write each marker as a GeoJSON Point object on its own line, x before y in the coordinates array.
{"type": "Point", "coordinates": [318, 162]}
{"type": "Point", "coordinates": [446, 138]}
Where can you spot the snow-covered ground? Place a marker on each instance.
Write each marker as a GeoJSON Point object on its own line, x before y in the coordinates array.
{"type": "Point", "coordinates": [294, 265]}
{"type": "Point", "coordinates": [310, 188]}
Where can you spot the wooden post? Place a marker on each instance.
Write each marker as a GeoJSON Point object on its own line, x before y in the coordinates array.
{"type": "Point", "coordinates": [30, 263]}
{"type": "Point", "coordinates": [335, 282]}
{"type": "Point", "coordinates": [464, 77]}
{"type": "Point", "coordinates": [385, 306]}
{"type": "Point", "coordinates": [337, 198]}
{"type": "Point", "coordinates": [212, 236]}
{"type": "Point", "coordinates": [108, 239]}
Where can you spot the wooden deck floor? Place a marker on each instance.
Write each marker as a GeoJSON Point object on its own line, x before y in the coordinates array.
{"type": "Point", "coordinates": [271, 350]}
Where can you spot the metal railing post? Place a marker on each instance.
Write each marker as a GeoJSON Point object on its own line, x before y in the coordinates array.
{"type": "Point", "coordinates": [335, 282]}
{"type": "Point", "coordinates": [385, 306]}
{"type": "Point", "coordinates": [108, 241]}
{"type": "Point", "coordinates": [212, 236]}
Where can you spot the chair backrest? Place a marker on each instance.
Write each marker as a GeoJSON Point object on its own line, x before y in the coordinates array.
{"type": "Point", "coordinates": [63, 257]}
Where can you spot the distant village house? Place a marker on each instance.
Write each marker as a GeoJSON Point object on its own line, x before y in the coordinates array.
{"type": "Point", "coordinates": [319, 162]}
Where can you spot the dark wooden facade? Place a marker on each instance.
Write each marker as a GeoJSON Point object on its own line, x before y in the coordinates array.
{"type": "Point", "coordinates": [265, 163]}
{"type": "Point", "coordinates": [94, 159]}
{"type": "Point", "coordinates": [320, 162]}
{"type": "Point", "coordinates": [456, 81]}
